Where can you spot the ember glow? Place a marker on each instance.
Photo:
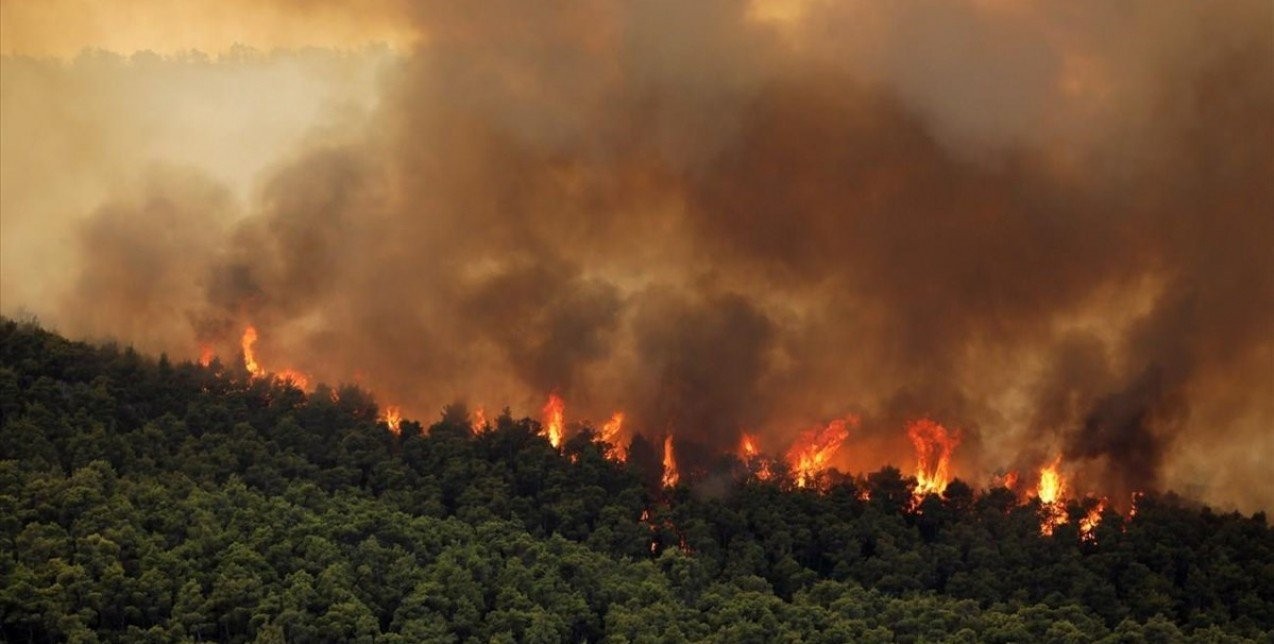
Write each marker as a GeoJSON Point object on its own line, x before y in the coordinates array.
{"type": "Point", "coordinates": [554, 422]}
{"type": "Point", "coordinates": [205, 355]}
{"type": "Point", "coordinates": [750, 453]}
{"type": "Point", "coordinates": [814, 449]}
{"type": "Point", "coordinates": [934, 444]}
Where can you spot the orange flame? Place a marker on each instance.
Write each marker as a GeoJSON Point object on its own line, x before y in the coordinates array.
{"type": "Point", "coordinates": [554, 419]}
{"type": "Point", "coordinates": [300, 380]}
{"type": "Point", "coordinates": [393, 419]}
{"type": "Point", "coordinates": [205, 355]}
{"type": "Point", "coordinates": [670, 477]}
{"type": "Point", "coordinates": [1008, 480]}
{"type": "Point", "coordinates": [750, 452]}
{"type": "Point", "coordinates": [479, 422]}
{"type": "Point", "coordinates": [1051, 483]}
{"type": "Point", "coordinates": [934, 444]}
{"type": "Point", "coordinates": [1090, 521]}
{"type": "Point", "coordinates": [249, 355]}
{"type": "Point", "coordinates": [814, 449]}
{"type": "Point", "coordinates": [613, 437]}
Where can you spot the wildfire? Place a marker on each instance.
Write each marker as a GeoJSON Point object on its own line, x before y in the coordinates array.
{"type": "Point", "coordinates": [1051, 482]}
{"type": "Point", "coordinates": [1090, 520]}
{"type": "Point", "coordinates": [612, 435]}
{"type": "Point", "coordinates": [670, 477]}
{"type": "Point", "coordinates": [300, 380]}
{"type": "Point", "coordinates": [934, 444]}
{"type": "Point", "coordinates": [814, 449]}
{"type": "Point", "coordinates": [205, 355]}
{"type": "Point", "coordinates": [393, 419]}
{"type": "Point", "coordinates": [249, 355]}
{"type": "Point", "coordinates": [554, 419]}
{"type": "Point", "coordinates": [479, 422]}
{"type": "Point", "coordinates": [750, 452]}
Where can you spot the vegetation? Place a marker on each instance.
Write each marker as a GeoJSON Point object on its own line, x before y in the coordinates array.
{"type": "Point", "coordinates": [142, 500]}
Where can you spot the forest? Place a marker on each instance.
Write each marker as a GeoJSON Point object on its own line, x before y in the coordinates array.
{"type": "Point", "coordinates": [145, 499]}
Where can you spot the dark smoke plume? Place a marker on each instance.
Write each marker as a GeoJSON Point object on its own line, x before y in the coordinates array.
{"type": "Point", "coordinates": [1048, 227]}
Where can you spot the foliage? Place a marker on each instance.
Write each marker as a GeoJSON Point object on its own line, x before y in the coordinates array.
{"type": "Point", "coordinates": [142, 500]}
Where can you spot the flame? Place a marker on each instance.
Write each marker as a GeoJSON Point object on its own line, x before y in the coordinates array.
{"type": "Point", "coordinates": [479, 422]}
{"type": "Point", "coordinates": [300, 380]}
{"type": "Point", "coordinates": [249, 355]}
{"type": "Point", "coordinates": [670, 477]}
{"type": "Point", "coordinates": [205, 355]}
{"type": "Point", "coordinates": [393, 419]}
{"type": "Point", "coordinates": [814, 449]}
{"type": "Point", "coordinates": [750, 452]}
{"type": "Point", "coordinates": [554, 419]}
{"type": "Point", "coordinates": [1090, 521]}
{"type": "Point", "coordinates": [613, 437]}
{"type": "Point", "coordinates": [934, 444]}
{"type": "Point", "coordinates": [747, 447]}
{"type": "Point", "coordinates": [1008, 480]}
{"type": "Point", "coordinates": [1051, 482]}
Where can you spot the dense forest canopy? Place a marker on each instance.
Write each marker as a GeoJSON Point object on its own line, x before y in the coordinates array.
{"type": "Point", "coordinates": [147, 500]}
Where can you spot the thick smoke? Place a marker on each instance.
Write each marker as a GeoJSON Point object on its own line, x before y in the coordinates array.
{"type": "Point", "coordinates": [1049, 228]}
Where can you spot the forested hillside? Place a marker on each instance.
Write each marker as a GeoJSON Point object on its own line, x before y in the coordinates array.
{"type": "Point", "coordinates": [147, 500]}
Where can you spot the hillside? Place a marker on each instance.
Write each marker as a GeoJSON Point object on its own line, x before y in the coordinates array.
{"type": "Point", "coordinates": [147, 500]}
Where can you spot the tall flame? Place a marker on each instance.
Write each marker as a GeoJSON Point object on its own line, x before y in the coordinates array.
{"type": "Point", "coordinates": [1051, 483]}
{"type": "Point", "coordinates": [554, 419]}
{"type": "Point", "coordinates": [671, 476]}
{"type": "Point", "coordinates": [934, 444]}
{"type": "Point", "coordinates": [612, 435]}
{"type": "Point", "coordinates": [1050, 492]}
{"type": "Point", "coordinates": [205, 355]}
{"type": "Point", "coordinates": [393, 419]}
{"type": "Point", "coordinates": [479, 422]}
{"type": "Point", "coordinates": [814, 449]}
{"type": "Point", "coordinates": [748, 449]}
{"type": "Point", "coordinates": [1089, 521]}
{"type": "Point", "coordinates": [249, 354]}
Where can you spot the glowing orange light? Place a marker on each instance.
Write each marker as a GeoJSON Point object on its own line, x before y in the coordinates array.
{"type": "Point", "coordinates": [934, 444]}
{"type": "Point", "coordinates": [205, 355]}
{"type": "Point", "coordinates": [612, 435]}
{"type": "Point", "coordinates": [671, 476]}
{"type": "Point", "coordinates": [393, 419]}
{"type": "Point", "coordinates": [554, 419]}
{"type": "Point", "coordinates": [813, 451]}
{"type": "Point", "coordinates": [249, 354]}
{"type": "Point", "coordinates": [479, 422]}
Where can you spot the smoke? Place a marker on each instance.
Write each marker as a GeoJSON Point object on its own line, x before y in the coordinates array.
{"type": "Point", "coordinates": [1046, 226]}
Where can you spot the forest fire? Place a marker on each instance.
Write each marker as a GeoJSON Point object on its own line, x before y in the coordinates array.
{"type": "Point", "coordinates": [813, 451]}
{"type": "Point", "coordinates": [612, 435]}
{"type": "Point", "coordinates": [479, 422]}
{"type": "Point", "coordinates": [249, 352]}
{"type": "Point", "coordinates": [670, 476]}
{"type": "Point", "coordinates": [934, 444]}
{"type": "Point", "coordinates": [554, 424]}
{"type": "Point", "coordinates": [393, 419]}
{"type": "Point", "coordinates": [750, 454]}
{"type": "Point", "coordinates": [1050, 493]}
{"type": "Point", "coordinates": [205, 355]}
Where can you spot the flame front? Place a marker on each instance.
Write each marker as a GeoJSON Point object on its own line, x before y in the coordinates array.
{"type": "Point", "coordinates": [670, 477]}
{"type": "Point", "coordinates": [612, 435]}
{"type": "Point", "coordinates": [479, 423]}
{"type": "Point", "coordinates": [1050, 493]}
{"type": "Point", "coordinates": [554, 419]}
{"type": "Point", "coordinates": [814, 449]}
{"type": "Point", "coordinates": [393, 419]}
{"type": "Point", "coordinates": [934, 444]}
{"type": "Point", "coordinates": [249, 354]}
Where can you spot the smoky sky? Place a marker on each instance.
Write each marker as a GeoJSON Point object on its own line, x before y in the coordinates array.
{"type": "Point", "coordinates": [1048, 227]}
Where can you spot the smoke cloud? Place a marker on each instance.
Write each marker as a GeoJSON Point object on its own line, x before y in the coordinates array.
{"type": "Point", "coordinates": [1046, 226]}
